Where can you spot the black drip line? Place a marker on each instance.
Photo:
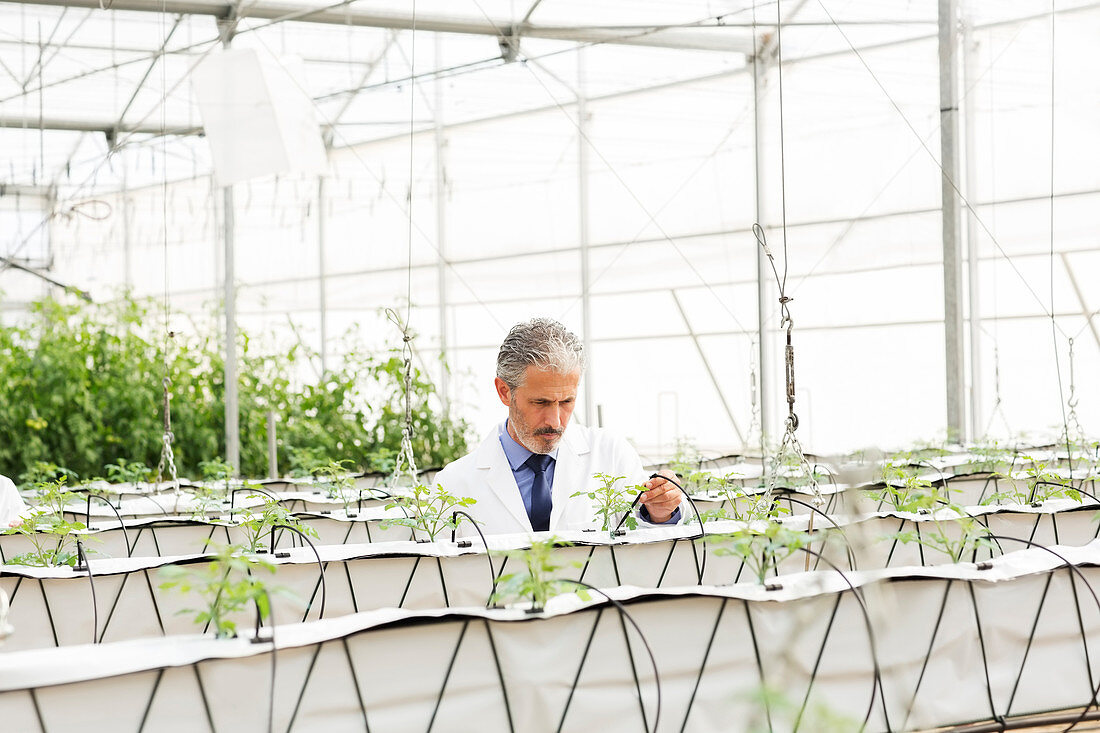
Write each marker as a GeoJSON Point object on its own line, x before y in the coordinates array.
{"type": "Point", "coordinates": [320, 566]}
{"type": "Point", "coordinates": [624, 618]}
{"type": "Point", "coordinates": [113, 508]}
{"type": "Point", "coordinates": [83, 564]}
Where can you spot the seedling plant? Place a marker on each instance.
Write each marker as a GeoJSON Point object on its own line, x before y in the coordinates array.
{"type": "Point", "coordinates": [46, 528]}
{"type": "Point", "coordinates": [611, 501]}
{"type": "Point", "coordinates": [127, 472]}
{"type": "Point", "coordinates": [337, 482]}
{"type": "Point", "coordinates": [1040, 484]}
{"type": "Point", "coordinates": [429, 510]}
{"type": "Point", "coordinates": [537, 580]}
{"type": "Point", "coordinates": [227, 584]}
{"type": "Point", "coordinates": [935, 534]}
{"type": "Point", "coordinates": [905, 490]}
{"type": "Point", "coordinates": [761, 549]}
{"type": "Point", "coordinates": [741, 506]}
{"type": "Point", "coordinates": [262, 520]}
{"type": "Point", "coordinates": [209, 495]}
{"type": "Point", "coordinates": [43, 472]}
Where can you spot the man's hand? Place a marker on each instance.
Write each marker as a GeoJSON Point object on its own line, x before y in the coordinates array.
{"type": "Point", "coordinates": [661, 497]}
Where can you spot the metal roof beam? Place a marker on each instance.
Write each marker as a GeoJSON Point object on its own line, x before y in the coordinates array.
{"type": "Point", "coordinates": [710, 38]}
{"type": "Point", "coordinates": [107, 127]}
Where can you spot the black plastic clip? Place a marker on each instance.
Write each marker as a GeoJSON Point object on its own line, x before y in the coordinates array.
{"type": "Point", "coordinates": [774, 585]}
{"type": "Point", "coordinates": [618, 532]}
{"type": "Point", "coordinates": [985, 565]}
{"type": "Point", "coordinates": [465, 543]}
{"type": "Point", "coordinates": [282, 555]}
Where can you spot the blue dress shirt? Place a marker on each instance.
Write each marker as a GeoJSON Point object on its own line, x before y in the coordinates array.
{"type": "Point", "coordinates": [517, 456]}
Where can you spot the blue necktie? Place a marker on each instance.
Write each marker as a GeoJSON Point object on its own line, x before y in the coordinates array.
{"type": "Point", "coordinates": [540, 492]}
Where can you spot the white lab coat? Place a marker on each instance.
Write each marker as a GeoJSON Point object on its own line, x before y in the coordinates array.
{"type": "Point", "coordinates": [11, 503]}
{"type": "Point", "coordinates": [486, 476]}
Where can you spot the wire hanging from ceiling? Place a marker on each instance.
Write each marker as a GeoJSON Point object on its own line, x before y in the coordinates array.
{"type": "Point", "coordinates": [405, 464]}
{"type": "Point", "coordinates": [1054, 329]}
{"type": "Point", "coordinates": [167, 455]}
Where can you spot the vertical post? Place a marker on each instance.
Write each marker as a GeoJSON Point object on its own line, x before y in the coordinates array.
{"type": "Point", "coordinates": [232, 407]}
{"type": "Point", "coordinates": [322, 294]}
{"type": "Point", "coordinates": [973, 266]}
{"type": "Point", "coordinates": [952, 244]}
{"type": "Point", "coordinates": [441, 232]}
{"type": "Point", "coordinates": [759, 82]}
{"type": "Point", "coordinates": [127, 234]}
{"type": "Point", "coordinates": [582, 189]}
{"type": "Point", "coordinates": [272, 447]}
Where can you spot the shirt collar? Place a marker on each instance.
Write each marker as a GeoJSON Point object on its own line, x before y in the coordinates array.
{"type": "Point", "coordinates": [516, 454]}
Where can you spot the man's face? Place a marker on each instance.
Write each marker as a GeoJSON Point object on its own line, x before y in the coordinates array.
{"type": "Point", "coordinates": [539, 410]}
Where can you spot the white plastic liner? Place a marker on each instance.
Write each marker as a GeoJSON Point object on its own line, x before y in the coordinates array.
{"type": "Point", "coordinates": [181, 535]}
{"type": "Point", "coordinates": [54, 605]}
{"type": "Point", "coordinates": [401, 659]}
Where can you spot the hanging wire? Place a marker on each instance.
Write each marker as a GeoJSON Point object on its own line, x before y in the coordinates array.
{"type": "Point", "coordinates": [405, 465]}
{"type": "Point", "coordinates": [790, 444]}
{"type": "Point", "coordinates": [1073, 428]}
{"type": "Point", "coordinates": [754, 429]}
{"type": "Point", "coordinates": [167, 456]}
{"type": "Point", "coordinates": [997, 407]}
{"type": "Point", "coordinates": [1053, 318]}
{"type": "Point", "coordinates": [934, 159]}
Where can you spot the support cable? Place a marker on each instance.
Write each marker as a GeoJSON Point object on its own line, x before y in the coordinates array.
{"type": "Point", "coordinates": [405, 464]}
{"type": "Point", "coordinates": [790, 443]}
{"type": "Point", "coordinates": [935, 161]}
{"type": "Point", "coordinates": [1054, 329]}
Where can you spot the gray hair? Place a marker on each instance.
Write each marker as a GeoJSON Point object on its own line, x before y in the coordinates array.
{"type": "Point", "coordinates": [542, 343]}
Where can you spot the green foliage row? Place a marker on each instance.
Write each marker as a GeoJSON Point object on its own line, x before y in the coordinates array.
{"type": "Point", "coordinates": [81, 386]}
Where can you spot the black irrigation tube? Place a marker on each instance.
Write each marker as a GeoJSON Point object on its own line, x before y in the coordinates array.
{"type": "Point", "coordinates": [937, 469]}
{"type": "Point", "coordinates": [320, 565]}
{"type": "Point", "coordinates": [454, 531]}
{"type": "Point", "coordinates": [702, 538]}
{"type": "Point", "coordinates": [257, 639]}
{"type": "Point", "coordinates": [699, 570]}
{"type": "Point", "coordinates": [830, 520]}
{"type": "Point", "coordinates": [158, 505]}
{"type": "Point", "coordinates": [877, 683]}
{"type": "Point", "coordinates": [920, 545]}
{"type": "Point", "coordinates": [1071, 487]}
{"type": "Point", "coordinates": [624, 614]}
{"type": "Point", "coordinates": [233, 498]}
{"type": "Point", "coordinates": [121, 524]}
{"type": "Point", "coordinates": [1074, 570]}
{"type": "Point", "coordinates": [82, 559]}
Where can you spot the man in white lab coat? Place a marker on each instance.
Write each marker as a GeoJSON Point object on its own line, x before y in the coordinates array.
{"type": "Point", "coordinates": [12, 506]}
{"type": "Point", "coordinates": [525, 472]}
